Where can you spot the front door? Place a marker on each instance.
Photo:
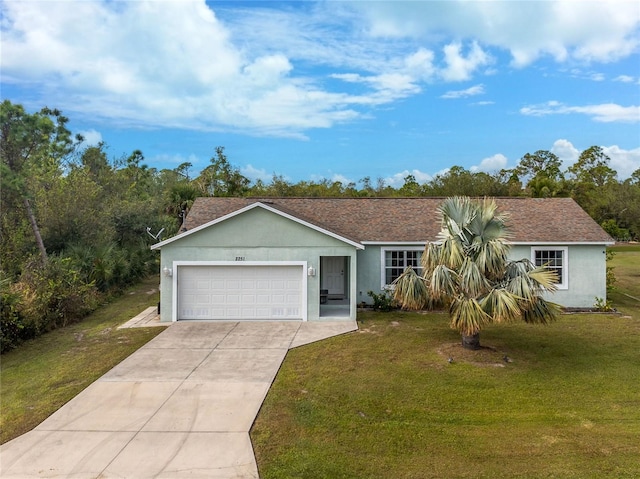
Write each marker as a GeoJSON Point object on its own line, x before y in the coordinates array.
{"type": "Point", "coordinates": [333, 274]}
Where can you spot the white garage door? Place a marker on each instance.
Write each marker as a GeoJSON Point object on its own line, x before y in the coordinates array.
{"type": "Point", "coordinates": [240, 292]}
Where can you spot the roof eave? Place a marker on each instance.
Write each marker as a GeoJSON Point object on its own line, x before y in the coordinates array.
{"type": "Point", "coordinates": [250, 207]}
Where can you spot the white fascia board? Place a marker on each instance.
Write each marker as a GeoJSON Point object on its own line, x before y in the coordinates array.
{"type": "Point", "coordinates": [395, 243]}
{"type": "Point", "coordinates": [239, 263]}
{"type": "Point", "coordinates": [250, 207]}
{"type": "Point", "coordinates": [526, 243]}
{"type": "Point", "coordinates": [563, 243]}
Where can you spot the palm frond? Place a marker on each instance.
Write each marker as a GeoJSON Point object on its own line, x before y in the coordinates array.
{"type": "Point", "coordinates": [541, 311]}
{"type": "Point", "coordinates": [430, 258]}
{"type": "Point", "coordinates": [501, 305]}
{"type": "Point", "coordinates": [457, 209]}
{"type": "Point", "coordinates": [471, 279]}
{"type": "Point", "coordinates": [544, 278]}
{"type": "Point", "coordinates": [451, 254]}
{"type": "Point", "coordinates": [522, 287]}
{"type": "Point", "coordinates": [467, 316]}
{"type": "Point", "coordinates": [514, 269]}
{"type": "Point", "coordinates": [444, 282]}
{"type": "Point", "coordinates": [411, 290]}
{"type": "Point", "coordinates": [492, 258]}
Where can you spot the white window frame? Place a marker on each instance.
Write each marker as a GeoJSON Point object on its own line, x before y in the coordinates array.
{"type": "Point", "coordinates": [383, 262]}
{"type": "Point", "coordinates": [565, 262]}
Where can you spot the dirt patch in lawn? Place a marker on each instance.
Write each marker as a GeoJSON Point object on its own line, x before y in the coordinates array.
{"type": "Point", "coordinates": [486, 356]}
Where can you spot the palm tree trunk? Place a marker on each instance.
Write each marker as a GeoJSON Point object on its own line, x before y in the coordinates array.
{"type": "Point", "coordinates": [36, 230]}
{"type": "Point", "coordinates": [471, 341]}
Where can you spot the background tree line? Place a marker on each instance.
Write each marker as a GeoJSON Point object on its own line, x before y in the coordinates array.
{"type": "Point", "coordinates": [76, 225]}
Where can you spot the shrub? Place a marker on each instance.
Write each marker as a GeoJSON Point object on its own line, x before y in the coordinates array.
{"type": "Point", "coordinates": [54, 295]}
{"type": "Point", "coordinates": [12, 327]}
{"type": "Point", "coordinates": [603, 305]}
{"type": "Point", "coordinates": [382, 301]}
{"type": "Point", "coordinates": [611, 277]}
{"type": "Point", "coordinates": [111, 267]}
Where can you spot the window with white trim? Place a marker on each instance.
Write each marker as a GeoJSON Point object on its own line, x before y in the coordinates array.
{"type": "Point", "coordinates": [395, 261]}
{"type": "Point", "coordinates": [554, 258]}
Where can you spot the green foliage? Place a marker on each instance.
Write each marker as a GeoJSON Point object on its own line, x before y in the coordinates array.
{"type": "Point", "coordinates": [52, 296]}
{"type": "Point", "coordinates": [221, 178]}
{"type": "Point", "coordinates": [85, 215]}
{"type": "Point", "coordinates": [611, 276]}
{"type": "Point", "coordinates": [12, 327]}
{"type": "Point", "coordinates": [615, 231]}
{"type": "Point", "coordinates": [603, 305]}
{"type": "Point", "coordinates": [110, 267]}
{"type": "Point", "coordinates": [542, 169]}
{"type": "Point", "coordinates": [382, 301]}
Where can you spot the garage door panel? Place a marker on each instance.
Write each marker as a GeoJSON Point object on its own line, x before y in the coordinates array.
{"type": "Point", "coordinates": [240, 292]}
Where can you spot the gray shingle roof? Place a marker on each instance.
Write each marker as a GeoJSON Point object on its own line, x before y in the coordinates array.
{"type": "Point", "coordinates": [531, 220]}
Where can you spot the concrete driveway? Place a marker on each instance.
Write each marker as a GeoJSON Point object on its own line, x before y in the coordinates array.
{"type": "Point", "coordinates": [181, 406]}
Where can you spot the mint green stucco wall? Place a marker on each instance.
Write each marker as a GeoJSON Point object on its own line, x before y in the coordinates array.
{"type": "Point", "coordinates": [587, 273]}
{"type": "Point", "coordinates": [258, 235]}
{"type": "Point", "coordinates": [369, 272]}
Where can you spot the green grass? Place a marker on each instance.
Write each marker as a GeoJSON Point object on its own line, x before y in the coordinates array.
{"type": "Point", "coordinates": [626, 266]}
{"type": "Point", "coordinates": [385, 401]}
{"type": "Point", "coordinates": [43, 374]}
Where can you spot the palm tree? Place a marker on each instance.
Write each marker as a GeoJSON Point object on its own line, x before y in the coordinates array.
{"type": "Point", "coordinates": [467, 269]}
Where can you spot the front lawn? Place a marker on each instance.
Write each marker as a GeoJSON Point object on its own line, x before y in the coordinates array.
{"type": "Point", "coordinates": [557, 401]}
{"type": "Point", "coordinates": [43, 374]}
{"type": "Point", "coordinates": [626, 267]}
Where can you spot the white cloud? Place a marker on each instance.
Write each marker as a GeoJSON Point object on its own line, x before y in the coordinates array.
{"type": "Point", "coordinates": [168, 64]}
{"type": "Point", "coordinates": [387, 87]}
{"type": "Point", "coordinates": [471, 91]}
{"type": "Point", "coordinates": [397, 180]}
{"type": "Point", "coordinates": [333, 178]}
{"type": "Point", "coordinates": [491, 164]}
{"type": "Point", "coordinates": [170, 162]}
{"type": "Point", "coordinates": [624, 79]}
{"type": "Point", "coordinates": [565, 29]}
{"type": "Point", "coordinates": [625, 162]}
{"type": "Point", "coordinates": [341, 179]}
{"type": "Point", "coordinates": [91, 137]}
{"type": "Point", "coordinates": [421, 64]}
{"type": "Point", "coordinates": [566, 152]}
{"type": "Point", "coordinates": [255, 174]}
{"type": "Point", "coordinates": [460, 67]}
{"type": "Point", "coordinates": [222, 67]}
{"type": "Point", "coordinates": [605, 113]}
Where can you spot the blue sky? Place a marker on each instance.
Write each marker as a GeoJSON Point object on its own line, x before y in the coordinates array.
{"type": "Point", "coordinates": [338, 90]}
